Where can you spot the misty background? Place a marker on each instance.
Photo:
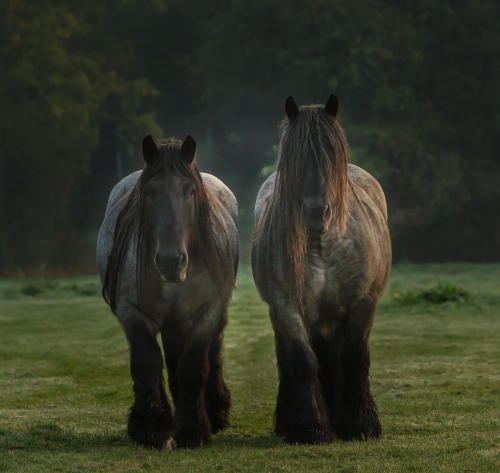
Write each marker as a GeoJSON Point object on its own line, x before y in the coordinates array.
{"type": "Point", "coordinates": [82, 83]}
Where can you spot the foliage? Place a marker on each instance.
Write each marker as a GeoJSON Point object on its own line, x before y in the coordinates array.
{"type": "Point", "coordinates": [445, 293]}
{"type": "Point", "coordinates": [62, 77]}
{"type": "Point", "coordinates": [31, 289]}
{"type": "Point", "coordinates": [405, 297]}
{"type": "Point", "coordinates": [437, 295]}
{"type": "Point", "coordinates": [49, 288]}
{"type": "Point", "coordinates": [66, 386]}
{"type": "Point", "coordinates": [83, 82]}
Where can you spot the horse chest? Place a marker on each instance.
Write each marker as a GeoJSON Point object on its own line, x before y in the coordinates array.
{"type": "Point", "coordinates": [180, 304]}
{"type": "Point", "coordinates": [314, 285]}
{"type": "Point", "coordinates": [331, 280]}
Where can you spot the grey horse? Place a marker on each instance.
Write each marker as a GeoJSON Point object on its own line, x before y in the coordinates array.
{"type": "Point", "coordinates": [167, 253]}
{"type": "Point", "coordinates": [321, 257]}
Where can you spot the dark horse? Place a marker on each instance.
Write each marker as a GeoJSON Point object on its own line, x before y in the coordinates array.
{"type": "Point", "coordinates": [321, 258]}
{"type": "Point", "coordinates": [167, 254]}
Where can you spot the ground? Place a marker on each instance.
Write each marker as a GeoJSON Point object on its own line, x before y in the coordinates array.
{"type": "Point", "coordinates": [65, 386]}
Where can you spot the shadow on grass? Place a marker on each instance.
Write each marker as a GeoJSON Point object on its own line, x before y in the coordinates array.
{"type": "Point", "coordinates": [234, 440]}
{"type": "Point", "coordinates": [51, 437]}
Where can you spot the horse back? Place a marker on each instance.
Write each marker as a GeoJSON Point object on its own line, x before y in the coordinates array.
{"type": "Point", "coordinates": [230, 206]}
{"type": "Point", "coordinates": [116, 201]}
{"type": "Point", "coordinates": [370, 186]}
{"type": "Point", "coordinates": [264, 196]}
{"type": "Point", "coordinates": [222, 192]}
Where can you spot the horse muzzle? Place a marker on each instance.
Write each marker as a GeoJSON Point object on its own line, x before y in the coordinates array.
{"type": "Point", "coordinates": [317, 219]}
{"type": "Point", "coordinates": [172, 268]}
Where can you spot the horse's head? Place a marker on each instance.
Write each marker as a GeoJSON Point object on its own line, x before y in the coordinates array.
{"type": "Point", "coordinates": [315, 192]}
{"type": "Point", "coordinates": [316, 209]}
{"type": "Point", "coordinates": [169, 205]}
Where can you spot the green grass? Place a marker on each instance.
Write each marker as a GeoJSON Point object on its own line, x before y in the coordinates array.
{"type": "Point", "coordinates": [65, 386]}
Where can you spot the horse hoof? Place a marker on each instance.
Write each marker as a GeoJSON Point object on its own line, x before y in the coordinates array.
{"type": "Point", "coordinates": [149, 428]}
{"type": "Point", "coordinates": [310, 436]}
{"type": "Point", "coordinates": [190, 440]}
{"type": "Point", "coordinates": [357, 433]}
{"type": "Point", "coordinates": [359, 436]}
{"type": "Point", "coordinates": [219, 424]}
{"type": "Point", "coordinates": [361, 428]}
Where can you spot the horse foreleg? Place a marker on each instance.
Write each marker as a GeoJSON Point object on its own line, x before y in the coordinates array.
{"type": "Point", "coordinates": [358, 418]}
{"type": "Point", "coordinates": [217, 395]}
{"type": "Point", "coordinates": [191, 419]}
{"type": "Point", "coordinates": [172, 348]}
{"type": "Point", "coordinates": [328, 346]}
{"type": "Point", "coordinates": [300, 415]}
{"type": "Point", "coordinates": [150, 420]}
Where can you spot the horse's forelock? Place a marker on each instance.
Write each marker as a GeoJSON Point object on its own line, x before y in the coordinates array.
{"type": "Point", "coordinates": [313, 134]}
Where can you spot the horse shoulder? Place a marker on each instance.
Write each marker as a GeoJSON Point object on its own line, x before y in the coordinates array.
{"type": "Point", "coordinates": [226, 197]}
{"type": "Point", "coordinates": [264, 195]}
{"type": "Point", "coordinates": [370, 185]}
{"type": "Point", "coordinates": [360, 261]}
{"type": "Point", "coordinates": [116, 201]}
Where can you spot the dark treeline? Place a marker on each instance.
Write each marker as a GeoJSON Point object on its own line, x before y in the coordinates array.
{"type": "Point", "coordinates": [83, 82]}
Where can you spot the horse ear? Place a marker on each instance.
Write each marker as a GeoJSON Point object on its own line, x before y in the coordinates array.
{"type": "Point", "coordinates": [149, 149]}
{"type": "Point", "coordinates": [332, 105]}
{"type": "Point", "coordinates": [188, 149]}
{"type": "Point", "coordinates": [292, 111]}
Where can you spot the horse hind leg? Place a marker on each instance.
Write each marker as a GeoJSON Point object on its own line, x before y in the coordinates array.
{"type": "Point", "coordinates": [358, 419]}
{"type": "Point", "coordinates": [150, 419]}
{"type": "Point", "coordinates": [217, 395]}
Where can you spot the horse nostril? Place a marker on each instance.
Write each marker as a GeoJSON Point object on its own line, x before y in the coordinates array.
{"type": "Point", "coordinates": [175, 260]}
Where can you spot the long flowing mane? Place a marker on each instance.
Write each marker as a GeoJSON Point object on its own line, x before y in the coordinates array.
{"type": "Point", "coordinates": [313, 134]}
{"type": "Point", "coordinates": [212, 242]}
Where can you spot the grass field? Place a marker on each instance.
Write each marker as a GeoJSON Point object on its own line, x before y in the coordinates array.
{"type": "Point", "coordinates": [65, 386]}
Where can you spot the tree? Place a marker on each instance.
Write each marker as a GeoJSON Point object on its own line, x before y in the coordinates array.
{"type": "Point", "coordinates": [55, 95]}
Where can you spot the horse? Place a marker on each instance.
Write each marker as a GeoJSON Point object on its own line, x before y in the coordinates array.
{"type": "Point", "coordinates": [167, 253]}
{"type": "Point", "coordinates": [321, 256]}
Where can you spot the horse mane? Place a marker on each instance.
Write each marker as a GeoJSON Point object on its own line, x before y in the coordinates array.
{"type": "Point", "coordinates": [313, 134]}
{"type": "Point", "coordinates": [212, 238]}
